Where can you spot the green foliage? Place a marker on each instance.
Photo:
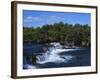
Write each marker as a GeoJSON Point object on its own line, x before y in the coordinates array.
{"type": "Point", "coordinates": [59, 32]}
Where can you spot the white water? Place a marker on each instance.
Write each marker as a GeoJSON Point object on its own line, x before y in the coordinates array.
{"type": "Point", "coordinates": [28, 66]}
{"type": "Point", "coordinates": [53, 56]}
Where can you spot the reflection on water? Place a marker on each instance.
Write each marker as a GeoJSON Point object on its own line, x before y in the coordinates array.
{"type": "Point", "coordinates": [43, 56]}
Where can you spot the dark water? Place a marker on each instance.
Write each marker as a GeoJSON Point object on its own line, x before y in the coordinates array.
{"type": "Point", "coordinates": [82, 57]}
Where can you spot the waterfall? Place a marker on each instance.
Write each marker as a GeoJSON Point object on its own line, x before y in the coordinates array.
{"type": "Point", "coordinates": [52, 55]}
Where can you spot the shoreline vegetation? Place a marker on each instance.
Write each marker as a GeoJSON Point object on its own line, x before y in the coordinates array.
{"type": "Point", "coordinates": [63, 33]}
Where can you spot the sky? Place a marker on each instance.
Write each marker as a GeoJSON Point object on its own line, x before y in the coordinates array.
{"type": "Point", "coordinates": [33, 18]}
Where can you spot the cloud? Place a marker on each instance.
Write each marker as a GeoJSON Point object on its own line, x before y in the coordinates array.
{"type": "Point", "coordinates": [31, 19]}
{"type": "Point", "coordinates": [55, 18]}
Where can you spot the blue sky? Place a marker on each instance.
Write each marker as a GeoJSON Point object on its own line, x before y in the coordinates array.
{"type": "Point", "coordinates": [38, 18]}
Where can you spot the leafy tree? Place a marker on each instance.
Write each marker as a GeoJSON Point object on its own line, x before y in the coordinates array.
{"type": "Point", "coordinates": [64, 33]}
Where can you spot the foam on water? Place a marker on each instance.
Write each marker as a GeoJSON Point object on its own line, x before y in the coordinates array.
{"type": "Point", "coordinates": [28, 66]}
{"type": "Point", "coordinates": [53, 56]}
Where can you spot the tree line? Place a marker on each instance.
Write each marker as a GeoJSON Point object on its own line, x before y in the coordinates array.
{"type": "Point", "coordinates": [64, 33]}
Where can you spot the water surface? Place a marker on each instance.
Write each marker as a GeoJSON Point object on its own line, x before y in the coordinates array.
{"type": "Point", "coordinates": [68, 58]}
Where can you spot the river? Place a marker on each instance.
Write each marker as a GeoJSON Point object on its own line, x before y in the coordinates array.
{"type": "Point", "coordinates": [54, 58]}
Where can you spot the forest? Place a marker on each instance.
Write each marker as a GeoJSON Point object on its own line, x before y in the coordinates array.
{"type": "Point", "coordinates": [64, 33]}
